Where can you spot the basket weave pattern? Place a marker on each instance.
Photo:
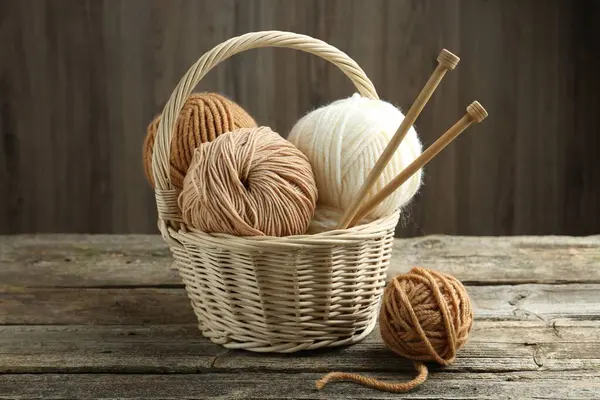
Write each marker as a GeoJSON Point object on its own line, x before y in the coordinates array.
{"type": "Point", "coordinates": [275, 294]}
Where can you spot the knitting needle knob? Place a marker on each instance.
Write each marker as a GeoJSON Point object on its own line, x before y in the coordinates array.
{"type": "Point", "coordinates": [447, 59]}
{"type": "Point", "coordinates": [476, 112]}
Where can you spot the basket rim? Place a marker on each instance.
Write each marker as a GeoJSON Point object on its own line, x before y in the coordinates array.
{"type": "Point", "coordinates": [359, 233]}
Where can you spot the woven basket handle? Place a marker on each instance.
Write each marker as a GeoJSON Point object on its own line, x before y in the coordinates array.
{"type": "Point", "coordinates": [166, 196]}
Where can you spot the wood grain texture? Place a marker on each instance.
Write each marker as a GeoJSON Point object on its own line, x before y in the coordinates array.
{"type": "Point", "coordinates": [521, 385]}
{"type": "Point", "coordinates": [500, 346]}
{"type": "Point", "coordinates": [95, 306]}
{"type": "Point", "coordinates": [102, 261]}
{"type": "Point", "coordinates": [79, 81]}
{"type": "Point", "coordinates": [116, 306]}
{"type": "Point", "coordinates": [107, 318]}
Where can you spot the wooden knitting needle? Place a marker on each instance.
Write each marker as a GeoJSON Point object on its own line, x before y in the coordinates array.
{"type": "Point", "coordinates": [446, 61]}
{"type": "Point", "coordinates": [475, 114]}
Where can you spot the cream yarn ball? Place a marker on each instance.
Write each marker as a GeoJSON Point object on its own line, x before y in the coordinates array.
{"type": "Point", "coordinates": [343, 141]}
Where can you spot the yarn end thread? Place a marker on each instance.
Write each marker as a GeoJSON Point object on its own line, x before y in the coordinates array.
{"type": "Point", "coordinates": [394, 387]}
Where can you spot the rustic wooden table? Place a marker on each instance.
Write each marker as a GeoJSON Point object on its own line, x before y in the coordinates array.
{"type": "Point", "coordinates": [105, 317]}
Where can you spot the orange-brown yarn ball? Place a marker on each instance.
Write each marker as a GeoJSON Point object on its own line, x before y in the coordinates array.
{"type": "Point", "coordinates": [425, 316]}
{"type": "Point", "coordinates": [204, 117]}
{"type": "Point", "coordinates": [250, 182]}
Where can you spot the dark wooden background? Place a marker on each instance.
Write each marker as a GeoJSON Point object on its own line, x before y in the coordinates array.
{"type": "Point", "coordinates": [79, 81]}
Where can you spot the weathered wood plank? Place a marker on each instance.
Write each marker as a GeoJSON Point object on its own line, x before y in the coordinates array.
{"type": "Point", "coordinates": [85, 260]}
{"type": "Point", "coordinates": [95, 306]}
{"type": "Point", "coordinates": [544, 302]}
{"type": "Point", "coordinates": [503, 260]}
{"type": "Point", "coordinates": [494, 346]}
{"type": "Point", "coordinates": [520, 385]}
{"type": "Point", "coordinates": [498, 346]}
{"type": "Point", "coordinates": [108, 349]}
{"type": "Point", "coordinates": [74, 306]}
{"type": "Point", "coordinates": [144, 260]}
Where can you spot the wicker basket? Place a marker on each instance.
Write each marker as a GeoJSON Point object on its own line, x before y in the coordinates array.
{"type": "Point", "coordinates": [274, 294]}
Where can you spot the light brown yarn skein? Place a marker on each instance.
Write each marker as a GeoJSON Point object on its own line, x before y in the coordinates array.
{"type": "Point", "coordinates": [204, 117]}
{"type": "Point", "coordinates": [250, 182]}
{"type": "Point", "coordinates": [425, 316]}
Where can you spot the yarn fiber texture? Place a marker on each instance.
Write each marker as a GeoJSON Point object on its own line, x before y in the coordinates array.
{"type": "Point", "coordinates": [425, 316]}
{"type": "Point", "coordinates": [204, 117]}
{"type": "Point", "coordinates": [343, 141]}
{"type": "Point", "coordinates": [251, 182]}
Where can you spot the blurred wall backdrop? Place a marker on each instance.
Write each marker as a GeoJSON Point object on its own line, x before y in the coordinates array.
{"type": "Point", "coordinates": [80, 80]}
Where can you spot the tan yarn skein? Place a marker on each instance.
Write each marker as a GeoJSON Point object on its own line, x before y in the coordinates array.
{"type": "Point", "coordinates": [251, 182]}
{"type": "Point", "coordinates": [425, 316]}
{"type": "Point", "coordinates": [204, 117]}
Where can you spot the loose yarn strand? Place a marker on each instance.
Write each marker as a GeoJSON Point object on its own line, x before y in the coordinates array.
{"type": "Point", "coordinates": [394, 387]}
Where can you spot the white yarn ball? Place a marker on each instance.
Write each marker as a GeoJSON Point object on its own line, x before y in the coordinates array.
{"type": "Point", "coordinates": [343, 141]}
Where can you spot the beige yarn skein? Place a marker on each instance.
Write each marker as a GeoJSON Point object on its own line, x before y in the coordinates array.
{"type": "Point", "coordinates": [250, 182]}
